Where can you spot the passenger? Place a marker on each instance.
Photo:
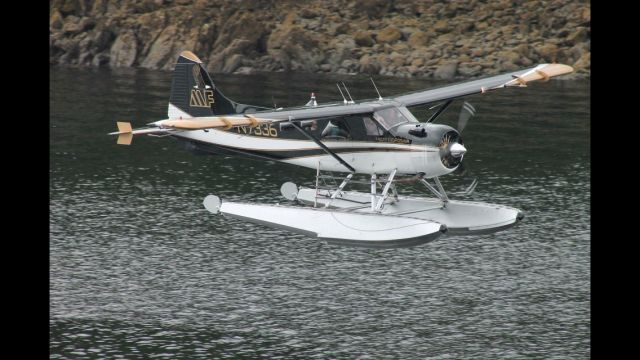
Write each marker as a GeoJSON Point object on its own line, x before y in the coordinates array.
{"type": "Point", "coordinates": [335, 130]}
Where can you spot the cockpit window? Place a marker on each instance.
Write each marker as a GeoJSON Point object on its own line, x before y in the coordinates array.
{"type": "Point", "coordinates": [390, 117]}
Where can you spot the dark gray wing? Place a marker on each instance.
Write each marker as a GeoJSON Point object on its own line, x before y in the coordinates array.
{"type": "Point", "coordinates": [515, 78]}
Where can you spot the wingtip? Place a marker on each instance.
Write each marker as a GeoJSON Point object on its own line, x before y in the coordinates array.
{"type": "Point", "coordinates": [565, 69]}
{"type": "Point", "coordinates": [571, 69]}
{"type": "Point", "coordinates": [557, 69]}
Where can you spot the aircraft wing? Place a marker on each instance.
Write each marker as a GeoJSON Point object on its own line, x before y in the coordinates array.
{"type": "Point", "coordinates": [516, 78]}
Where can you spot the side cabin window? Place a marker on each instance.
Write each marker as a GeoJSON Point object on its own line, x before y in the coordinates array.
{"type": "Point", "coordinates": [373, 129]}
{"type": "Point", "coordinates": [391, 117]}
{"type": "Point", "coordinates": [354, 127]}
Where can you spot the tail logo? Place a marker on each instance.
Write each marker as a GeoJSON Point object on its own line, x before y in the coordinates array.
{"type": "Point", "coordinates": [201, 98]}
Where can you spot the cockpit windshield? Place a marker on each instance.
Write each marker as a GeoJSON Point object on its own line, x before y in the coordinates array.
{"type": "Point", "coordinates": [391, 117]}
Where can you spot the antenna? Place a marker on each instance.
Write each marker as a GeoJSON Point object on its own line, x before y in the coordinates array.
{"type": "Point", "coordinates": [312, 101]}
{"type": "Point", "coordinates": [375, 87]}
{"type": "Point", "coordinates": [343, 98]}
{"type": "Point", "coordinates": [274, 102]}
{"type": "Point", "coordinates": [347, 90]}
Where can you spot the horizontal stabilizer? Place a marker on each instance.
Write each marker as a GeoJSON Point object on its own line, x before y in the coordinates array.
{"type": "Point", "coordinates": [125, 139]}
{"type": "Point", "coordinates": [124, 127]}
{"type": "Point", "coordinates": [125, 132]}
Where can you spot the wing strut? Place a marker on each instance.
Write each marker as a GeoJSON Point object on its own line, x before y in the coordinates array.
{"type": "Point", "coordinates": [323, 146]}
{"type": "Point", "coordinates": [440, 110]}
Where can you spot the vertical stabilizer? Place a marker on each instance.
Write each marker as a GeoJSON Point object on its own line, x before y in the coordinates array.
{"type": "Point", "coordinates": [193, 94]}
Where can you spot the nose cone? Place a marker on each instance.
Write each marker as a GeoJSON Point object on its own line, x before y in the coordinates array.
{"type": "Point", "coordinates": [457, 150]}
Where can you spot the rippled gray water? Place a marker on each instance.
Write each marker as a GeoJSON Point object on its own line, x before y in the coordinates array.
{"type": "Point", "coordinates": [138, 268]}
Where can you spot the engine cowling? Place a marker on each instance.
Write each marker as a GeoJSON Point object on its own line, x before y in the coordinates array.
{"type": "Point", "coordinates": [447, 139]}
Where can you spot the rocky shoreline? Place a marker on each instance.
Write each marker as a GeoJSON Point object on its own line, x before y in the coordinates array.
{"type": "Point", "coordinates": [422, 39]}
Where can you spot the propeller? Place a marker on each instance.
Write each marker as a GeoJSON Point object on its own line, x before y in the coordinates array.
{"type": "Point", "coordinates": [451, 143]}
{"type": "Point", "coordinates": [466, 113]}
{"type": "Point", "coordinates": [452, 150]}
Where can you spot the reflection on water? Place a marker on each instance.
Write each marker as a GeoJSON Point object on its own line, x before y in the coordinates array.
{"type": "Point", "coordinates": [140, 269]}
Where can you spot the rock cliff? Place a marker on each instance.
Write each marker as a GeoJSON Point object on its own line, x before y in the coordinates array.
{"type": "Point", "coordinates": [444, 40]}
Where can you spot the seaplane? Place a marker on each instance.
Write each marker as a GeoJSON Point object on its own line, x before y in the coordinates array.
{"type": "Point", "coordinates": [376, 144]}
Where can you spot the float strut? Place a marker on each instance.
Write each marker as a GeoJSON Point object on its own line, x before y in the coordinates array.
{"type": "Point", "coordinates": [385, 191]}
{"type": "Point", "coordinates": [373, 192]}
{"type": "Point", "coordinates": [335, 194]}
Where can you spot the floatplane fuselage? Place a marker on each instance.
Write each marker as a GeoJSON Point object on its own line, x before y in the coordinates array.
{"type": "Point", "coordinates": [376, 142]}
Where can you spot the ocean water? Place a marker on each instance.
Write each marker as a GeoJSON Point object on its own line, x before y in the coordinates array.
{"type": "Point", "coordinates": [139, 269]}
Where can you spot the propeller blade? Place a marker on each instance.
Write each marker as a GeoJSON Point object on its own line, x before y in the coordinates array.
{"type": "Point", "coordinates": [467, 179]}
{"type": "Point", "coordinates": [461, 170]}
{"type": "Point", "coordinates": [465, 114]}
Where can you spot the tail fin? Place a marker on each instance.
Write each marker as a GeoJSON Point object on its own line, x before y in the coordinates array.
{"type": "Point", "coordinates": [193, 93]}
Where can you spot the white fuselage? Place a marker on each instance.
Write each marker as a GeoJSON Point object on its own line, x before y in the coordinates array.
{"type": "Point", "coordinates": [364, 156]}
